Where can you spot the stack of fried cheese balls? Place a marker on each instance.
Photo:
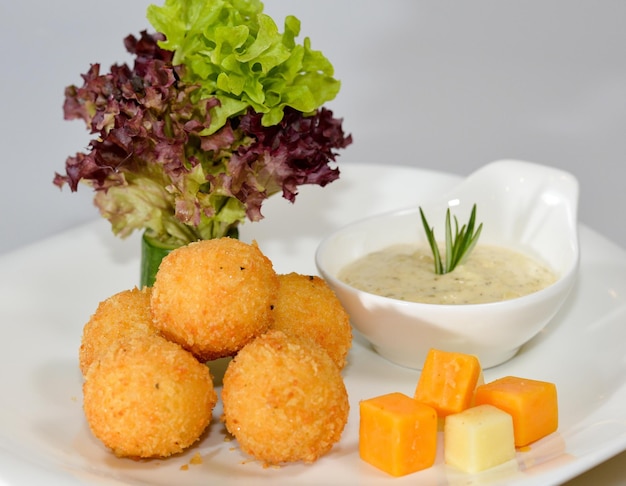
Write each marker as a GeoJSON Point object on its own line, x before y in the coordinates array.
{"type": "Point", "coordinates": [146, 356]}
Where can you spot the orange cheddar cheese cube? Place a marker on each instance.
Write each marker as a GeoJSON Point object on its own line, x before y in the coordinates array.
{"type": "Point", "coordinates": [397, 434]}
{"type": "Point", "coordinates": [533, 405]}
{"type": "Point", "coordinates": [448, 381]}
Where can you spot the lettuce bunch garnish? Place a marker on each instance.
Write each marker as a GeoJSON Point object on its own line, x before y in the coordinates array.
{"type": "Point", "coordinates": [219, 112]}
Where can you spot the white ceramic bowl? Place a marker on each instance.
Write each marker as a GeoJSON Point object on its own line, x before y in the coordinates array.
{"type": "Point", "coordinates": [522, 205]}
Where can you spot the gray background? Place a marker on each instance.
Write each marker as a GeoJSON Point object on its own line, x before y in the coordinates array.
{"type": "Point", "coordinates": [440, 85]}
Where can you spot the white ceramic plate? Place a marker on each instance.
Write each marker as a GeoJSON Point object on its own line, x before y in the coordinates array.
{"type": "Point", "coordinates": [48, 291]}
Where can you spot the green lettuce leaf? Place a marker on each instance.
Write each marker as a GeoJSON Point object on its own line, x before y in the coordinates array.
{"type": "Point", "coordinates": [235, 53]}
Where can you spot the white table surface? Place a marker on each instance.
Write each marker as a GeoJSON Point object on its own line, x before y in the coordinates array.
{"type": "Point", "coordinates": [440, 85]}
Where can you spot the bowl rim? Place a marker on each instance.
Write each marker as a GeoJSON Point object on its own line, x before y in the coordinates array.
{"type": "Point", "coordinates": [566, 280]}
{"type": "Point", "coordinates": [563, 283]}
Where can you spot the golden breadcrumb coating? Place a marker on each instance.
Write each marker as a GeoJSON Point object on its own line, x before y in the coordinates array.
{"type": "Point", "coordinates": [284, 399]}
{"type": "Point", "coordinates": [121, 315]}
{"type": "Point", "coordinates": [214, 296]}
{"type": "Point", "coordinates": [148, 397]}
{"type": "Point", "coordinates": [308, 307]}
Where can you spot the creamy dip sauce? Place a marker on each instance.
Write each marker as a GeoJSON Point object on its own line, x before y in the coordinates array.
{"type": "Point", "coordinates": [489, 274]}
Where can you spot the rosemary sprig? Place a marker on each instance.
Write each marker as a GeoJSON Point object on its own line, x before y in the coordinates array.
{"type": "Point", "coordinates": [458, 244]}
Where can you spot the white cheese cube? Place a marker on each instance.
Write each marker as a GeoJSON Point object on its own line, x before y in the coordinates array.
{"type": "Point", "coordinates": [478, 438]}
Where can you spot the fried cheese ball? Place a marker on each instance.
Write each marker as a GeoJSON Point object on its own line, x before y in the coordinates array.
{"type": "Point", "coordinates": [121, 315]}
{"type": "Point", "coordinates": [148, 398]}
{"type": "Point", "coordinates": [284, 399]}
{"type": "Point", "coordinates": [214, 296]}
{"type": "Point", "coordinates": [308, 307]}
